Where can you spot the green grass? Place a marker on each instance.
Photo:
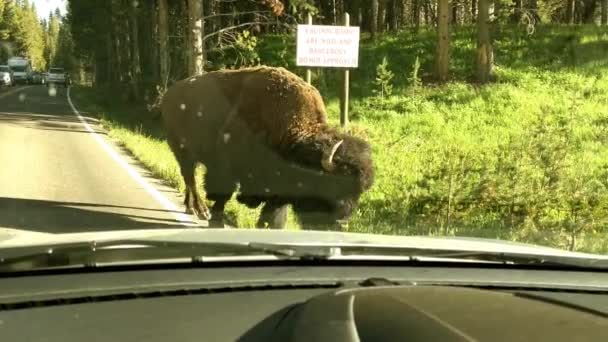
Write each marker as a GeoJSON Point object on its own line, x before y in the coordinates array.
{"type": "Point", "coordinates": [524, 158]}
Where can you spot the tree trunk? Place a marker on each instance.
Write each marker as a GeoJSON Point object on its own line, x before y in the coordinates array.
{"type": "Point", "coordinates": [426, 9]}
{"type": "Point", "coordinates": [373, 22]}
{"type": "Point", "coordinates": [151, 48]}
{"type": "Point", "coordinates": [604, 20]}
{"type": "Point", "coordinates": [403, 12]}
{"type": "Point", "coordinates": [534, 10]}
{"type": "Point", "coordinates": [485, 54]}
{"type": "Point", "coordinates": [517, 11]}
{"type": "Point", "coordinates": [135, 62]}
{"type": "Point", "coordinates": [195, 22]}
{"type": "Point", "coordinates": [497, 8]}
{"type": "Point", "coordinates": [116, 73]}
{"type": "Point", "coordinates": [381, 16]}
{"type": "Point", "coordinates": [334, 12]}
{"type": "Point", "coordinates": [589, 11]}
{"type": "Point", "coordinates": [569, 12]}
{"type": "Point", "coordinates": [474, 10]}
{"type": "Point", "coordinates": [163, 33]}
{"type": "Point", "coordinates": [454, 19]}
{"type": "Point", "coordinates": [442, 58]}
{"type": "Point", "coordinates": [416, 13]}
{"type": "Point", "coordinates": [392, 15]}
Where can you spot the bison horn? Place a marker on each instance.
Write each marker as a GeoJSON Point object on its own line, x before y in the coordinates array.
{"type": "Point", "coordinates": [327, 161]}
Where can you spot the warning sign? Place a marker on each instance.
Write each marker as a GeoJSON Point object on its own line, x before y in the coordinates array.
{"type": "Point", "coordinates": [328, 46]}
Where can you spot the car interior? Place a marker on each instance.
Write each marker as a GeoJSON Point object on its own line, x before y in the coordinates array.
{"type": "Point", "coordinates": [311, 302]}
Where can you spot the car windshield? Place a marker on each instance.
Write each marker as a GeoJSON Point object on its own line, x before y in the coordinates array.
{"type": "Point", "coordinates": [18, 68]}
{"type": "Point", "coordinates": [459, 119]}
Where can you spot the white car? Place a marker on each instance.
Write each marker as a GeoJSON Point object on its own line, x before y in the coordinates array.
{"type": "Point", "coordinates": [6, 76]}
{"type": "Point", "coordinates": [56, 76]}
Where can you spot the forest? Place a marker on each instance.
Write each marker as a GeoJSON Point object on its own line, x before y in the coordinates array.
{"type": "Point", "coordinates": [487, 117]}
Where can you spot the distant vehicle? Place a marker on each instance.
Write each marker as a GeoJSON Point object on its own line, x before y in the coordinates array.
{"type": "Point", "coordinates": [56, 76]}
{"type": "Point", "coordinates": [22, 69]}
{"type": "Point", "coordinates": [38, 78]}
{"type": "Point", "coordinates": [6, 76]}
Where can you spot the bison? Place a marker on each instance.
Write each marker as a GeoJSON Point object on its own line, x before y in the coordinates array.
{"type": "Point", "coordinates": [265, 131]}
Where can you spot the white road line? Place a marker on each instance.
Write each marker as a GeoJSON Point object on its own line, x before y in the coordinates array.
{"type": "Point", "coordinates": [166, 203]}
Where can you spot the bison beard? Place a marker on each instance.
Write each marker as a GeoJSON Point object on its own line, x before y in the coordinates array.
{"type": "Point", "coordinates": [265, 130]}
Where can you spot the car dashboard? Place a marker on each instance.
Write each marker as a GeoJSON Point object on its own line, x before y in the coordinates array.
{"type": "Point", "coordinates": [305, 303]}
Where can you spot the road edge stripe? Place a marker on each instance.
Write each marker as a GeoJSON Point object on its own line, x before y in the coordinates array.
{"type": "Point", "coordinates": [164, 201]}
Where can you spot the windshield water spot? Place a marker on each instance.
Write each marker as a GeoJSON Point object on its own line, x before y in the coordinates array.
{"type": "Point", "coordinates": [249, 175]}
{"type": "Point", "coordinates": [52, 91]}
{"type": "Point", "coordinates": [199, 114]}
{"type": "Point", "coordinates": [266, 190]}
{"type": "Point", "coordinates": [226, 138]}
{"type": "Point", "coordinates": [181, 146]}
{"type": "Point", "coordinates": [182, 106]}
{"type": "Point", "coordinates": [21, 97]}
{"type": "Point", "coordinates": [300, 184]}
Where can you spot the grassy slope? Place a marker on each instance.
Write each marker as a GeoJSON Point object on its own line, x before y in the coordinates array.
{"type": "Point", "coordinates": [524, 158]}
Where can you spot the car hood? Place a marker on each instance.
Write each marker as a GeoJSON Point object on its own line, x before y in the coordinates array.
{"type": "Point", "coordinates": [21, 238]}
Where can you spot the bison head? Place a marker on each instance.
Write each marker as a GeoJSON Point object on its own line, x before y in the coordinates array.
{"type": "Point", "coordinates": [340, 170]}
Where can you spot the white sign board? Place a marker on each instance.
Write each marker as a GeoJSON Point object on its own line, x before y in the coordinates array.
{"type": "Point", "coordinates": [328, 46]}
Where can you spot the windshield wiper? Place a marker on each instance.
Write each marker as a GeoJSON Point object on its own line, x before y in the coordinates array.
{"type": "Point", "coordinates": [94, 253]}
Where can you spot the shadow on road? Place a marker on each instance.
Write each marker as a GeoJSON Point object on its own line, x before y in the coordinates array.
{"type": "Point", "coordinates": [62, 123]}
{"type": "Point", "coordinates": [34, 107]}
{"type": "Point", "coordinates": [71, 217]}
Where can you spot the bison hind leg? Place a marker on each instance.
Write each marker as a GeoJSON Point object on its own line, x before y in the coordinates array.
{"type": "Point", "coordinates": [219, 187]}
{"type": "Point", "coordinates": [192, 201]}
{"type": "Point", "coordinates": [273, 215]}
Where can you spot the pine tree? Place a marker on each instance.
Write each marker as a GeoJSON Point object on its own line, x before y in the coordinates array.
{"type": "Point", "coordinates": [383, 79]}
{"type": "Point", "coordinates": [51, 38]}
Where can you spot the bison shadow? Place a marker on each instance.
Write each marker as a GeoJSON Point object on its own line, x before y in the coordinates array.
{"type": "Point", "coordinates": [71, 217]}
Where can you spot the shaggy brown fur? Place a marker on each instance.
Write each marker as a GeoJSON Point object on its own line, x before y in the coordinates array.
{"type": "Point", "coordinates": [264, 128]}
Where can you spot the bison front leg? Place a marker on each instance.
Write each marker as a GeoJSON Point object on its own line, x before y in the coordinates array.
{"type": "Point", "coordinates": [273, 215]}
{"type": "Point", "coordinates": [188, 202]}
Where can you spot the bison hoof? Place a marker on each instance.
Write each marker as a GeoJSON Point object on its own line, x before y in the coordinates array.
{"type": "Point", "coordinates": [203, 214]}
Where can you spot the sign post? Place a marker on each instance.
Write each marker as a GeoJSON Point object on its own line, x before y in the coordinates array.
{"type": "Point", "coordinates": [308, 71]}
{"type": "Point", "coordinates": [345, 94]}
{"type": "Point", "coordinates": [330, 46]}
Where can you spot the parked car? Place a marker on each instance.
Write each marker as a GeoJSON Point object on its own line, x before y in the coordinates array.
{"type": "Point", "coordinates": [6, 76]}
{"type": "Point", "coordinates": [57, 76]}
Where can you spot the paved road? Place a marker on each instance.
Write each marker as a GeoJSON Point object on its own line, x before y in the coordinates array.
{"type": "Point", "coordinates": [55, 176]}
